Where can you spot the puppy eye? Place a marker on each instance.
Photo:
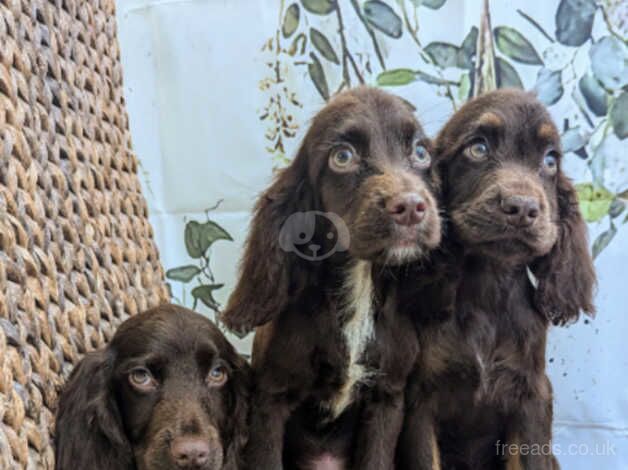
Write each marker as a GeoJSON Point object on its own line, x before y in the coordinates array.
{"type": "Point", "coordinates": [421, 157]}
{"type": "Point", "coordinates": [550, 162]}
{"type": "Point", "coordinates": [343, 159]}
{"type": "Point", "coordinates": [217, 376]}
{"type": "Point", "coordinates": [141, 379]}
{"type": "Point", "coordinates": [477, 150]}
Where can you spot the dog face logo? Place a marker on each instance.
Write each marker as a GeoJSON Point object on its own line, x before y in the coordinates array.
{"type": "Point", "coordinates": [298, 231]}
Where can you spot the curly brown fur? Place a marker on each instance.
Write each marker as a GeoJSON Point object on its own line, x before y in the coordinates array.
{"type": "Point", "coordinates": [480, 381]}
{"type": "Point", "coordinates": [168, 392]}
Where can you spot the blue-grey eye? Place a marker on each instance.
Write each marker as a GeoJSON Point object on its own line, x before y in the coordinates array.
{"type": "Point", "coordinates": [550, 162]}
{"type": "Point", "coordinates": [477, 150]}
{"type": "Point", "coordinates": [422, 156]}
{"type": "Point", "coordinates": [343, 159]}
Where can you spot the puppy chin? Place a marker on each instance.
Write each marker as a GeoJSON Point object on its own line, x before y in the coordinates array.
{"type": "Point", "coordinates": [402, 254]}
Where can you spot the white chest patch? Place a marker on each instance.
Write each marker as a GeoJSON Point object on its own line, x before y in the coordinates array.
{"type": "Point", "coordinates": [358, 329]}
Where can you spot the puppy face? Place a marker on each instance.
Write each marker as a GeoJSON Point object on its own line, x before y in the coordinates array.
{"type": "Point", "coordinates": [500, 159]}
{"type": "Point", "coordinates": [368, 161]}
{"type": "Point", "coordinates": [172, 378]}
{"type": "Point", "coordinates": [168, 392]}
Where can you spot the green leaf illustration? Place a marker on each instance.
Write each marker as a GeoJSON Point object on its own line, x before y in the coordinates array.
{"type": "Point", "coordinates": [396, 77]}
{"type": "Point", "coordinates": [467, 49]}
{"type": "Point", "coordinates": [512, 44]}
{"type": "Point", "coordinates": [594, 95]}
{"type": "Point", "coordinates": [619, 116]}
{"type": "Point", "coordinates": [319, 7]}
{"type": "Point", "coordinates": [464, 89]}
{"type": "Point", "coordinates": [603, 240]}
{"type": "Point", "coordinates": [443, 54]}
{"type": "Point", "coordinates": [199, 237]}
{"type": "Point", "coordinates": [205, 293]}
{"type": "Point", "coordinates": [609, 62]}
{"type": "Point", "coordinates": [507, 76]}
{"type": "Point", "coordinates": [433, 4]}
{"type": "Point", "coordinates": [383, 17]}
{"type": "Point", "coordinates": [290, 20]}
{"type": "Point", "coordinates": [549, 86]}
{"type": "Point", "coordinates": [617, 208]}
{"type": "Point", "coordinates": [183, 273]}
{"type": "Point", "coordinates": [574, 21]}
{"type": "Point", "coordinates": [595, 201]}
{"type": "Point", "coordinates": [317, 74]}
{"type": "Point", "coordinates": [322, 45]}
{"type": "Point", "coordinates": [573, 140]}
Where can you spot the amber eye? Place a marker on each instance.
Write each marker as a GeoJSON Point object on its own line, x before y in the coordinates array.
{"type": "Point", "coordinates": [141, 379]}
{"type": "Point", "coordinates": [477, 150]}
{"type": "Point", "coordinates": [343, 159]}
{"type": "Point", "coordinates": [422, 156]}
{"type": "Point", "coordinates": [550, 162]}
{"type": "Point", "coordinates": [217, 376]}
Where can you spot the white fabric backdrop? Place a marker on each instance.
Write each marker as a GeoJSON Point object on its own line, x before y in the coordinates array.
{"type": "Point", "coordinates": [192, 80]}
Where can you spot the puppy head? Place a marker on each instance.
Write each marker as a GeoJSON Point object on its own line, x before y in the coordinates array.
{"type": "Point", "coordinates": [358, 187]}
{"type": "Point", "coordinates": [369, 159]}
{"type": "Point", "coordinates": [500, 161]}
{"type": "Point", "coordinates": [170, 389]}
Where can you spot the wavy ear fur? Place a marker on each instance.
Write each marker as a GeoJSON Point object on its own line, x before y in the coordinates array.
{"type": "Point", "coordinates": [239, 412]}
{"type": "Point", "coordinates": [269, 275]}
{"type": "Point", "coordinates": [89, 431]}
{"type": "Point", "coordinates": [566, 277]}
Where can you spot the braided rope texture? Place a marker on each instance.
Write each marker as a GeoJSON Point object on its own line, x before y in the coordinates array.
{"type": "Point", "coordinates": [77, 255]}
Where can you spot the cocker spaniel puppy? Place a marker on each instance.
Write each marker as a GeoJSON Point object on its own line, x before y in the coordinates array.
{"type": "Point", "coordinates": [519, 259]}
{"type": "Point", "coordinates": [329, 240]}
{"type": "Point", "coordinates": [168, 392]}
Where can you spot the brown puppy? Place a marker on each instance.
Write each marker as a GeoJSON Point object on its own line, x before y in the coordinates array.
{"type": "Point", "coordinates": [481, 381]}
{"type": "Point", "coordinates": [326, 246]}
{"type": "Point", "coordinates": [168, 392]}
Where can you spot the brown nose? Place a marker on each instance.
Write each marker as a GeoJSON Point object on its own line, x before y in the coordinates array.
{"type": "Point", "coordinates": [406, 209]}
{"type": "Point", "coordinates": [521, 211]}
{"type": "Point", "coordinates": [190, 453]}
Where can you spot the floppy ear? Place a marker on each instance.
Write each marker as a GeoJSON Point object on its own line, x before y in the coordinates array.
{"type": "Point", "coordinates": [239, 412]}
{"type": "Point", "coordinates": [270, 274]}
{"type": "Point", "coordinates": [566, 277]}
{"type": "Point", "coordinates": [89, 431]}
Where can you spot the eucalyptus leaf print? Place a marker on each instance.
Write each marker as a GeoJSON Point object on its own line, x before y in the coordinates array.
{"type": "Point", "coordinates": [322, 45]}
{"type": "Point", "coordinates": [433, 4]}
{"type": "Point", "coordinates": [183, 273]}
{"type": "Point", "coordinates": [549, 86]}
{"type": "Point", "coordinates": [317, 74]}
{"type": "Point", "coordinates": [199, 237]}
{"type": "Point", "coordinates": [609, 62]}
{"type": "Point", "coordinates": [443, 54]}
{"type": "Point", "coordinates": [574, 21]}
{"type": "Point", "coordinates": [383, 18]}
{"type": "Point", "coordinates": [467, 49]}
{"type": "Point", "coordinates": [290, 20]}
{"type": "Point", "coordinates": [205, 293]}
{"type": "Point", "coordinates": [573, 140]}
{"type": "Point", "coordinates": [594, 95]}
{"type": "Point", "coordinates": [512, 44]}
{"type": "Point", "coordinates": [319, 7]}
{"type": "Point", "coordinates": [507, 76]}
{"type": "Point", "coordinates": [603, 240]}
{"type": "Point", "coordinates": [619, 116]}
{"type": "Point", "coordinates": [595, 202]}
{"type": "Point", "coordinates": [396, 77]}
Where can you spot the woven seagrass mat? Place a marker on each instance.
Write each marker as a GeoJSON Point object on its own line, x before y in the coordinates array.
{"type": "Point", "coordinates": [77, 255]}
